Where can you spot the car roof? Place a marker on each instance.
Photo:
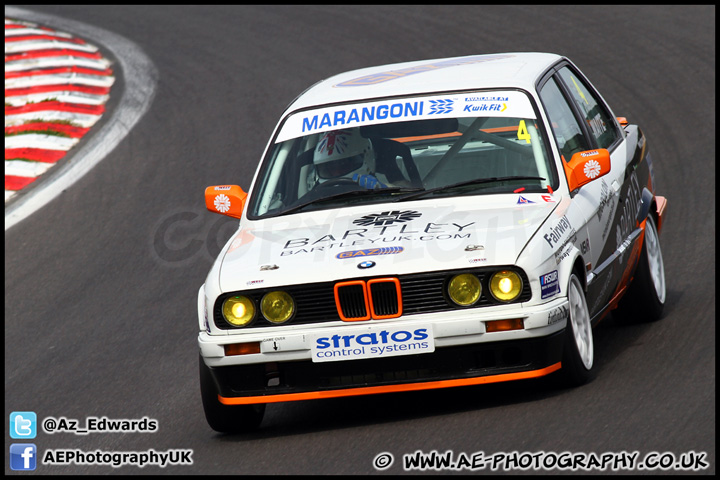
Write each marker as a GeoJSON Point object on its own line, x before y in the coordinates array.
{"type": "Point", "coordinates": [501, 70]}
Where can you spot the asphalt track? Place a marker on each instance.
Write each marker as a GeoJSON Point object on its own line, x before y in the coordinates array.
{"type": "Point", "coordinates": [101, 283]}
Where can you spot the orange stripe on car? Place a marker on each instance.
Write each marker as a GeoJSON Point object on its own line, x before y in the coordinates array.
{"type": "Point", "coordinates": [455, 134]}
{"type": "Point", "coordinates": [407, 387]}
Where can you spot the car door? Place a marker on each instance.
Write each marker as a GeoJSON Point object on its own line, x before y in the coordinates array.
{"type": "Point", "coordinates": [581, 121]}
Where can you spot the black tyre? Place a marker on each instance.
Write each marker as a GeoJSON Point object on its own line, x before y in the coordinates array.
{"type": "Point", "coordinates": [227, 418]}
{"type": "Point", "coordinates": [579, 348]}
{"type": "Point", "coordinates": [645, 298]}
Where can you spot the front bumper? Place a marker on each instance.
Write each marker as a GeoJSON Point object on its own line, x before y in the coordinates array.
{"type": "Point", "coordinates": [465, 354]}
{"type": "Point", "coordinates": [446, 367]}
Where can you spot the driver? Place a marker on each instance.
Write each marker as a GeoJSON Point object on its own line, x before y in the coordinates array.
{"type": "Point", "coordinates": [346, 154]}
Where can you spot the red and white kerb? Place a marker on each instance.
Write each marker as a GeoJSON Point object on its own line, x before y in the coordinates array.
{"type": "Point", "coordinates": [56, 87]}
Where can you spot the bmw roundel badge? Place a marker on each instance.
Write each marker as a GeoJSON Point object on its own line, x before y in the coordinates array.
{"type": "Point", "coordinates": [366, 264]}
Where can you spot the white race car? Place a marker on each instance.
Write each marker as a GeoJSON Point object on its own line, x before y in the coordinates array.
{"type": "Point", "coordinates": [425, 225]}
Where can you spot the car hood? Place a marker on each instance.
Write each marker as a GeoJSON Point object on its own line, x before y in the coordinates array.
{"type": "Point", "coordinates": [385, 239]}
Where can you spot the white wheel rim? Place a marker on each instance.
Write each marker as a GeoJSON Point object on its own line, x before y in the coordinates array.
{"type": "Point", "coordinates": [580, 319]}
{"type": "Point", "coordinates": [655, 260]}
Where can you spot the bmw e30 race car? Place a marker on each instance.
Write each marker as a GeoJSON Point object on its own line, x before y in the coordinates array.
{"type": "Point", "coordinates": [424, 225]}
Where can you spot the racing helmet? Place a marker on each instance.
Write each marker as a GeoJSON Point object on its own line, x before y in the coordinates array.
{"type": "Point", "coordinates": [343, 153]}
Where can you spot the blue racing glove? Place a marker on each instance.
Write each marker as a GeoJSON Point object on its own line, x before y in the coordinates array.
{"type": "Point", "coordinates": [368, 181]}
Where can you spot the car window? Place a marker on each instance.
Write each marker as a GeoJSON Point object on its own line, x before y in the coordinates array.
{"type": "Point", "coordinates": [599, 121]}
{"type": "Point", "coordinates": [490, 142]}
{"type": "Point", "coordinates": [565, 126]}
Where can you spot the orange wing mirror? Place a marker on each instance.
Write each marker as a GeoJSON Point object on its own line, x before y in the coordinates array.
{"type": "Point", "coordinates": [225, 199]}
{"type": "Point", "coordinates": [584, 167]}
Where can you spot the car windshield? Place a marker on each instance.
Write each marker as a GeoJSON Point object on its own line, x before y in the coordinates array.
{"type": "Point", "coordinates": [416, 148]}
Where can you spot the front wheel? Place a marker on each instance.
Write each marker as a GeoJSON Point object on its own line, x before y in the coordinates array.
{"type": "Point", "coordinates": [226, 418]}
{"type": "Point", "coordinates": [645, 298]}
{"type": "Point", "coordinates": [579, 348]}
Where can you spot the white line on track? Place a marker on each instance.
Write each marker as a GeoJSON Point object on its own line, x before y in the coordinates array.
{"type": "Point", "coordinates": [80, 119]}
{"type": "Point", "coordinates": [74, 78]}
{"type": "Point", "coordinates": [140, 79]}
{"type": "Point", "coordinates": [39, 140]}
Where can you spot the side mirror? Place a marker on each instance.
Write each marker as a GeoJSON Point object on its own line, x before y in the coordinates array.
{"type": "Point", "coordinates": [225, 199]}
{"type": "Point", "coordinates": [584, 167]}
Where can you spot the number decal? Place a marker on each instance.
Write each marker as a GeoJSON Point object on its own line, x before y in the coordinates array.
{"type": "Point", "coordinates": [522, 133]}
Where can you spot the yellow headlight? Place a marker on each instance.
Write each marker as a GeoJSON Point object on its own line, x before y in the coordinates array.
{"type": "Point", "coordinates": [277, 307]}
{"type": "Point", "coordinates": [505, 285]}
{"type": "Point", "coordinates": [238, 311]}
{"type": "Point", "coordinates": [464, 289]}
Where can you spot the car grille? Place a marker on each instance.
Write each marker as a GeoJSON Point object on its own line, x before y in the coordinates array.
{"type": "Point", "coordinates": [385, 299]}
{"type": "Point", "coordinates": [371, 297]}
{"type": "Point", "coordinates": [351, 300]}
{"type": "Point", "coordinates": [377, 298]}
